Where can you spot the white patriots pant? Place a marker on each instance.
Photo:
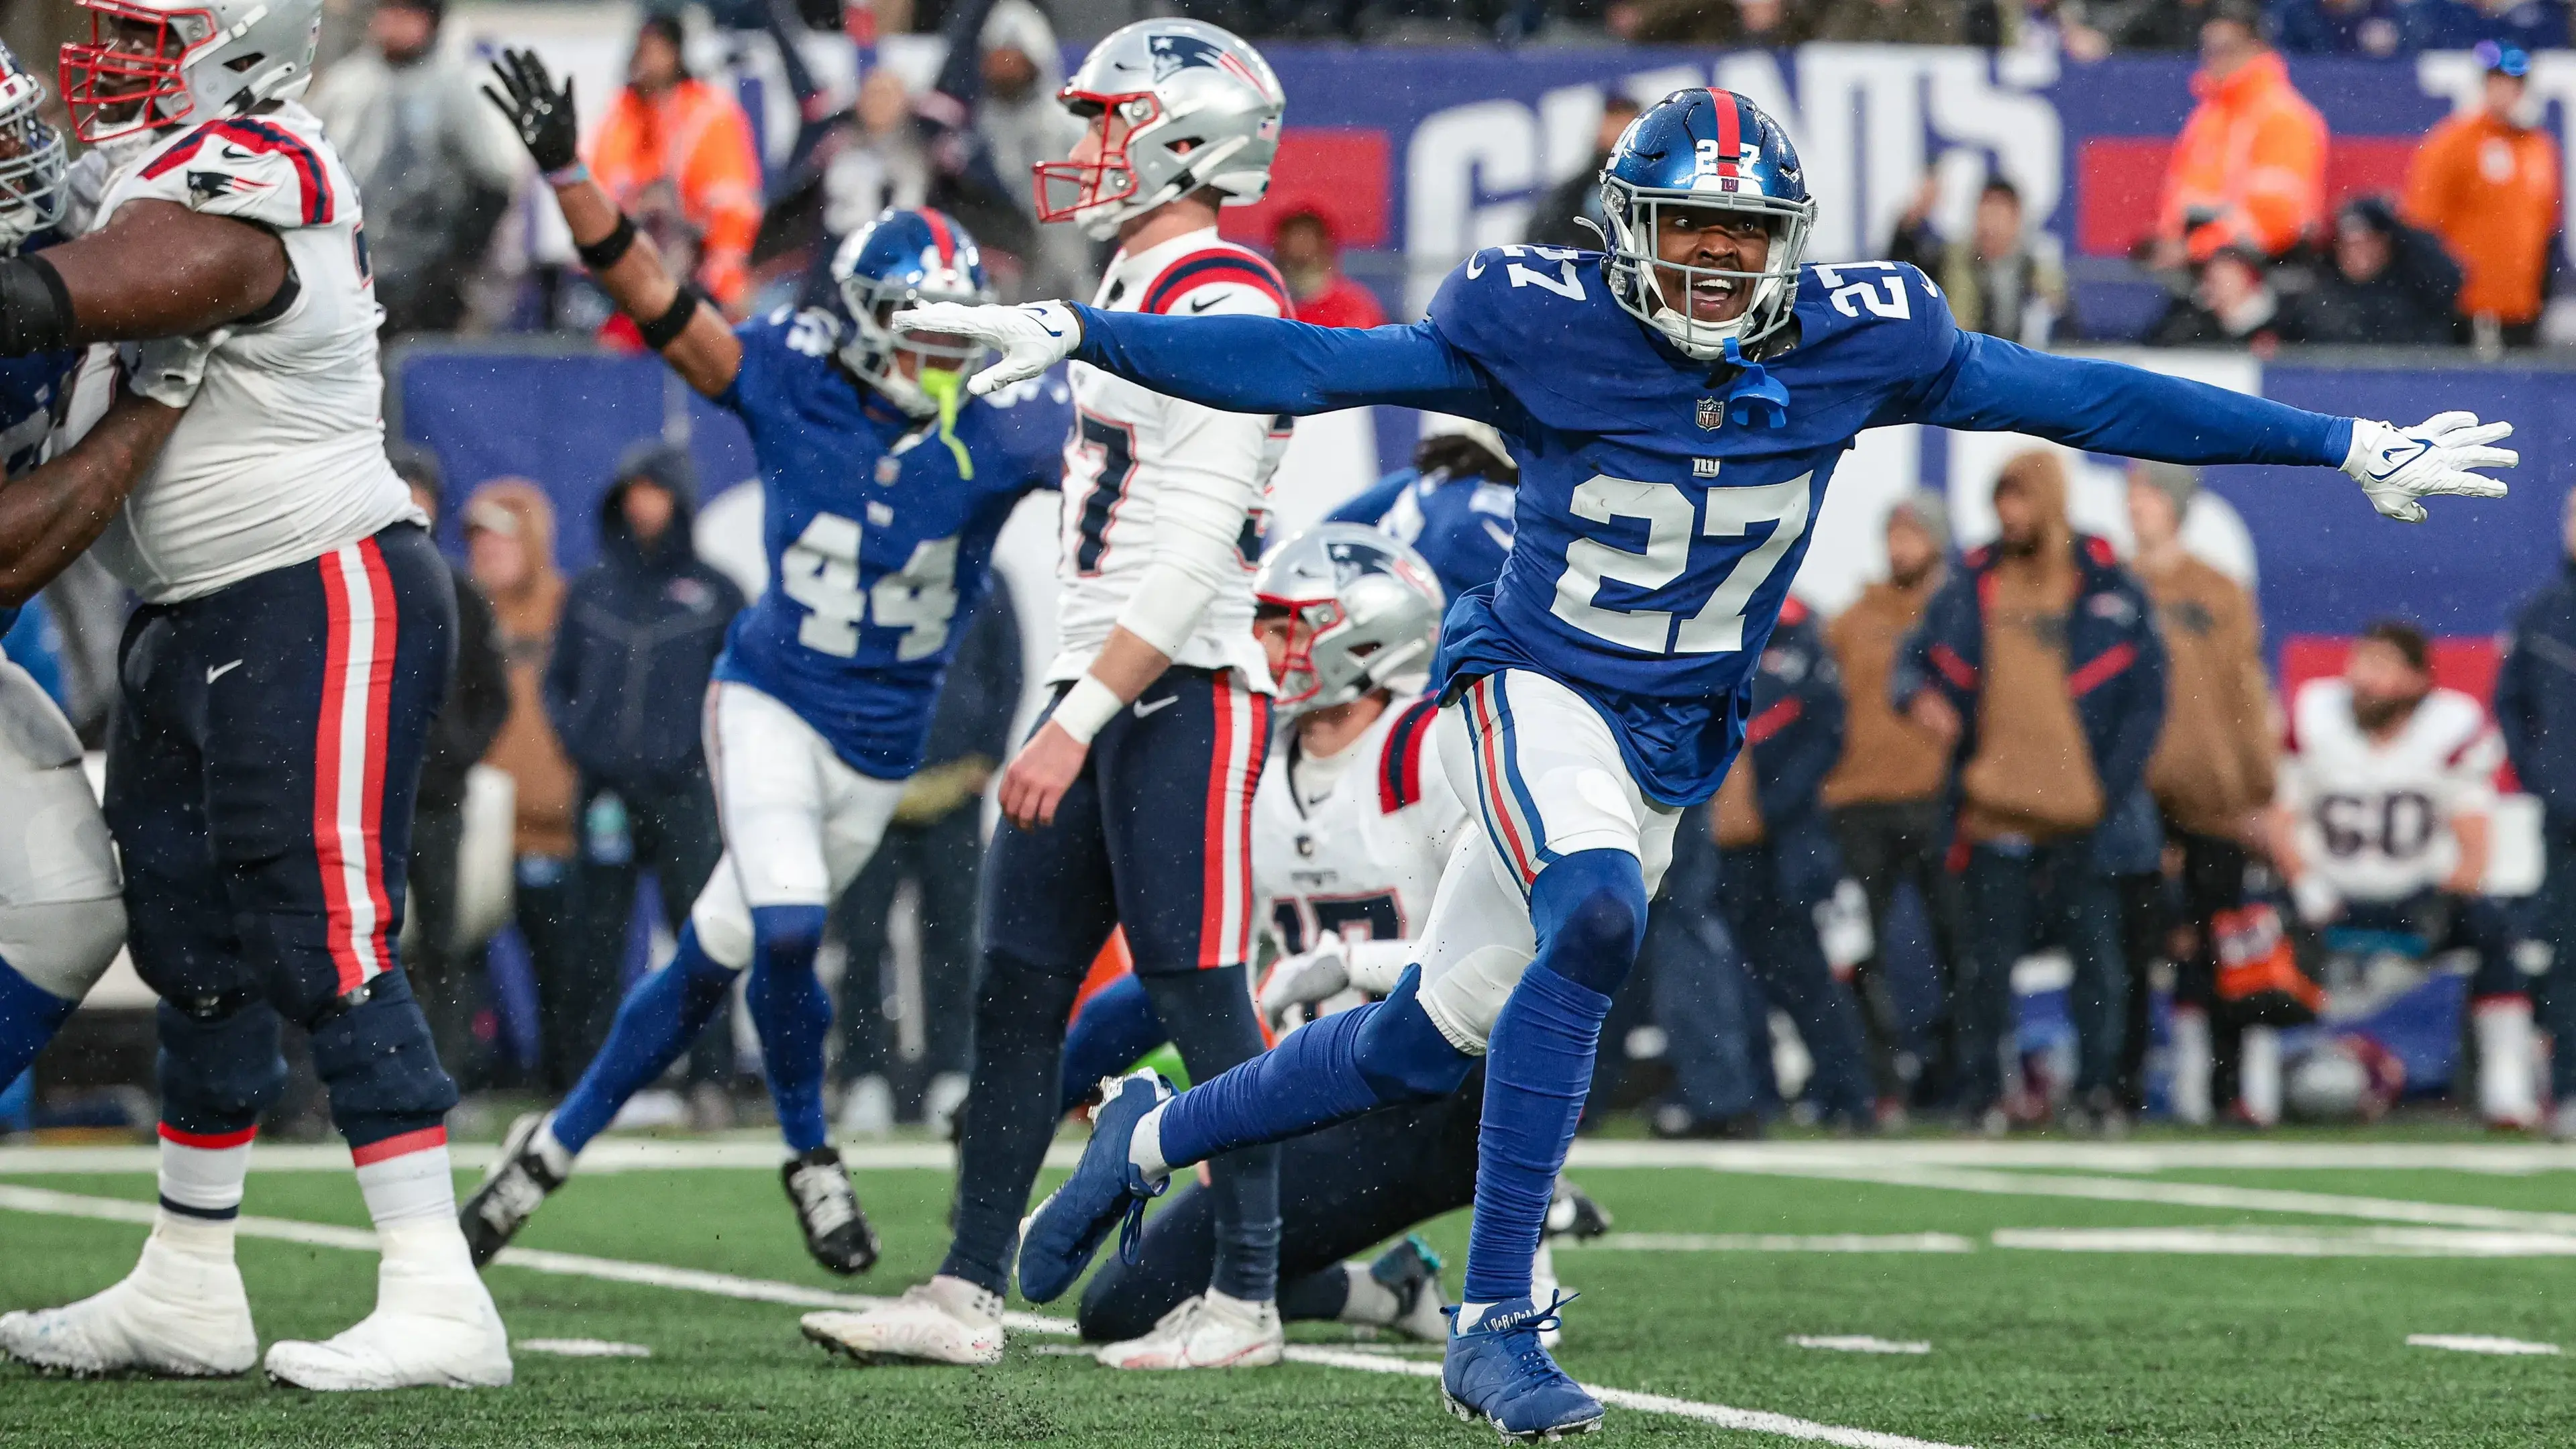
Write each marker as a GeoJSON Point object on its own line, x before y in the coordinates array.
{"type": "Point", "coordinates": [799, 824]}
{"type": "Point", "coordinates": [1548, 780]}
{"type": "Point", "coordinates": [62, 916]}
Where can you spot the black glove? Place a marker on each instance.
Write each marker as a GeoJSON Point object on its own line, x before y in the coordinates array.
{"type": "Point", "coordinates": [542, 115]}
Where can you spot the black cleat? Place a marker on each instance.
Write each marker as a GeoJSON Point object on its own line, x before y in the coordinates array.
{"type": "Point", "coordinates": [827, 1208]}
{"type": "Point", "coordinates": [512, 1191]}
{"type": "Point", "coordinates": [1571, 1213]}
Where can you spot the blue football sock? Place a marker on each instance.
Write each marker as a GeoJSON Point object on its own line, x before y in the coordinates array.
{"type": "Point", "coordinates": [1589, 909]}
{"type": "Point", "coordinates": [1112, 1032]}
{"type": "Point", "coordinates": [655, 1024]}
{"type": "Point", "coordinates": [1348, 1063]}
{"type": "Point", "coordinates": [29, 1017]}
{"type": "Point", "coordinates": [793, 1014]}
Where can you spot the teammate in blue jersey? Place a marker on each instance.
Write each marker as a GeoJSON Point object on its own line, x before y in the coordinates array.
{"type": "Point", "coordinates": [1677, 406]}
{"type": "Point", "coordinates": [883, 490]}
{"type": "Point", "coordinates": [61, 919]}
{"type": "Point", "coordinates": [1454, 505]}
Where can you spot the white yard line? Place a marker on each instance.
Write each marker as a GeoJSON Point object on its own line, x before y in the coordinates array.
{"type": "Point", "coordinates": [2478, 1343]}
{"type": "Point", "coordinates": [581, 1348]}
{"type": "Point", "coordinates": [761, 1152]}
{"type": "Point", "coordinates": [1858, 1343]}
{"type": "Point", "coordinates": [2190, 1194]}
{"type": "Point", "coordinates": [1771, 1243]}
{"type": "Point", "coordinates": [2294, 1242]}
{"type": "Point", "coordinates": [727, 1285]}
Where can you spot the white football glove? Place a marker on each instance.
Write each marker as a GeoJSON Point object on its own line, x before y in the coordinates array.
{"type": "Point", "coordinates": [2434, 457]}
{"type": "Point", "coordinates": [1030, 338]}
{"type": "Point", "coordinates": [1304, 979]}
{"type": "Point", "coordinates": [2315, 899]}
{"type": "Point", "coordinates": [168, 370]}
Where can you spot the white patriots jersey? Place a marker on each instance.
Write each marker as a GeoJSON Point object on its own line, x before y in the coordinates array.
{"type": "Point", "coordinates": [281, 458]}
{"type": "Point", "coordinates": [1131, 445]}
{"type": "Point", "coordinates": [2374, 820]}
{"type": "Point", "coordinates": [1364, 861]}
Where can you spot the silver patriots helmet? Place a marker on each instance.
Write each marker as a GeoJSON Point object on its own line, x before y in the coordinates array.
{"type": "Point", "coordinates": [154, 63]}
{"type": "Point", "coordinates": [1174, 106]}
{"type": "Point", "coordinates": [32, 162]}
{"type": "Point", "coordinates": [1363, 611]}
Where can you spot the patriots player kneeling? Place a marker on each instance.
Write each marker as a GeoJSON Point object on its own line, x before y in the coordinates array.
{"type": "Point", "coordinates": [883, 490]}
{"type": "Point", "coordinates": [1677, 406]}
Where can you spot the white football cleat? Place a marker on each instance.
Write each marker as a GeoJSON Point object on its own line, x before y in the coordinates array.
{"type": "Point", "coordinates": [946, 1320]}
{"type": "Point", "coordinates": [434, 1324]}
{"type": "Point", "coordinates": [179, 1314]}
{"type": "Point", "coordinates": [1208, 1331]}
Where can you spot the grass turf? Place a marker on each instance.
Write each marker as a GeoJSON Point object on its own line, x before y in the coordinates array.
{"type": "Point", "coordinates": [2035, 1349]}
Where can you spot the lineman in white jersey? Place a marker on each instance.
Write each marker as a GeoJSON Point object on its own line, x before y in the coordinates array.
{"type": "Point", "coordinates": [278, 684]}
{"type": "Point", "coordinates": [1130, 806]}
{"type": "Point", "coordinates": [2381, 821]}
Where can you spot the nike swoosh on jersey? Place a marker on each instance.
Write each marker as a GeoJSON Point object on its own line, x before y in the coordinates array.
{"type": "Point", "coordinates": [220, 670]}
{"type": "Point", "coordinates": [1143, 709]}
{"type": "Point", "coordinates": [1201, 304]}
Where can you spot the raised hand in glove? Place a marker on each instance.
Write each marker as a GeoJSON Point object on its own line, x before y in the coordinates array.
{"type": "Point", "coordinates": [1030, 338]}
{"type": "Point", "coordinates": [1304, 979]}
{"type": "Point", "coordinates": [168, 370]}
{"type": "Point", "coordinates": [2437, 456]}
{"type": "Point", "coordinates": [542, 115]}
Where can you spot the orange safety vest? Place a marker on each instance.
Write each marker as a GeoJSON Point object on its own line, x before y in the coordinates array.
{"type": "Point", "coordinates": [698, 140]}
{"type": "Point", "coordinates": [2253, 156]}
{"type": "Point", "coordinates": [2489, 189]}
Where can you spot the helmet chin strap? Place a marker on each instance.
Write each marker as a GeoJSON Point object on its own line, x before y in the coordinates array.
{"type": "Point", "coordinates": [1103, 223]}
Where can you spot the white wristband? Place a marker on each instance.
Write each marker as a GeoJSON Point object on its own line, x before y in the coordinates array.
{"type": "Point", "coordinates": [1085, 708]}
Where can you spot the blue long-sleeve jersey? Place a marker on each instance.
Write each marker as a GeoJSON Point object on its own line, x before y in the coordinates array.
{"type": "Point", "coordinates": [1658, 521]}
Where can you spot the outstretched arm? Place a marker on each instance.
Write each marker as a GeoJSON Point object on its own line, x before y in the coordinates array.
{"type": "Point", "coordinates": [157, 269]}
{"type": "Point", "coordinates": [1239, 364]}
{"type": "Point", "coordinates": [2109, 407]}
{"type": "Point", "coordinates": [692, 337]}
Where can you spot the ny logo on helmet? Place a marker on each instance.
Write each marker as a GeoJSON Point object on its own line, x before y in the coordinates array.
{"type": "Point", "coordinates": [1714, 163]}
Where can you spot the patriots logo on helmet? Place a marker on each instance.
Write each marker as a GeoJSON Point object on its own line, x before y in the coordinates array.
{"type": "Point", "coordinates": [1176, 53]}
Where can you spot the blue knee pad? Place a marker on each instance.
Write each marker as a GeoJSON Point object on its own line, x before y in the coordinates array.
{"type": "Point", "coordinates": [1589, 910]}
{"type": "Point", "coordinates": [381, 1068]}
{"type": "Point", "coordinates": [219, 1073]}
{"type": "Point", "coordinates": [793, 1014]}
{"type": "Point", "coordinates": [1401, 1054]}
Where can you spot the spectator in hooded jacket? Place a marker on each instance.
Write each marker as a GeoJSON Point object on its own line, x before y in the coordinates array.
{"type": "Point", "coordinates": [2535, 711]}
{"type": "Point", "coordinates": [2487, 182]}
{"type": "Point", "coordinates": [677, 155]}
{"type": "Point", "coordinates": [1020, 123]}
{"type": "Point", "coordinates": [510, 550]}
{"type": "Point", "coordinates": [2211, 775]}
{"type": "Point", "coordinates": [2040, 658]}
{"type": "Point", "coordinates": [2389, 283]}
{"type": "Point", "coordinates": [1777, 861]}
{"type": "Point", "coordinates": [2249, 169]}
{"type": "Point", "coordinates": [468, 719]}
{"type": "Point", "coordinates": [1885, 796]}
{"type": "Point", "coordinates": [641, 631]}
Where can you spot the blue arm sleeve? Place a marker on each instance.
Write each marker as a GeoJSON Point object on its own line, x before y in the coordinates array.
{"type": "Point", "coordinates": [1272, 365]}
{"type": "Point", "coordinates": [1371, 503]}
{"type": "Point", "coordinates": [1992, 385]}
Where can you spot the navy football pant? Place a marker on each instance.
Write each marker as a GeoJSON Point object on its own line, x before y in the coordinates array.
{"type": "Point", "coordinates": [260, 777]}
{"type": "Point", "coordinates": [1154, 837]}
{"type": "Point", "coordinates": [1342, 1190]}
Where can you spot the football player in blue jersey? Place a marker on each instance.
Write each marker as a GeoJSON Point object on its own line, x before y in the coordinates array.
{"type": "Point", "coordinates": [1677, 405]}
{"type": "Point", "coordinates": [883, 490]}
{"type": "Point", "coordinates": [1454, 505]}
{"type": "Point", "coordinates": [61, 918]}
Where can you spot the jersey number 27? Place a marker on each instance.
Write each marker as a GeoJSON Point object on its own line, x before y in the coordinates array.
{"type": "Point", "coordinates": [1731, 513]}
{"type": "Point", "coordinates": [821, 571]}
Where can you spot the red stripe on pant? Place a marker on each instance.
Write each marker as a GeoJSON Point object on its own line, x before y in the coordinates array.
{"type": "Point", "coordinates": [363, 688]}
{"type": "Point", "coordinates": [1256, 737]}
{"type": "Point", "coordinates": [399, 1145]}
{"type": "Point", "coordinates": [1489, 746]}
{"type": "Point", "coordinates": [208, 1141]}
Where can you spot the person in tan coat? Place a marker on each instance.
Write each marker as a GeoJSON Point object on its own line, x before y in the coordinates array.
{"type": "Point", "coordinates": [510, 549]}
{"type": "Point", "coordinates": [1884, 796]}
{"type": "Point", "coordinates": [2211, 775]}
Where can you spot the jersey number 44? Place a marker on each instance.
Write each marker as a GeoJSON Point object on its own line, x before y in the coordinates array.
{"type": "Point", "coordinates": [821, 571]}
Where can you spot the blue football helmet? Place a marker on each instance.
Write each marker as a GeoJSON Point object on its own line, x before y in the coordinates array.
{"type": "Point", "coordinates": [32, 163]}
{"type": "Point", "coordinates": [903, 259]}
{"type": "Point", "coordinates": [1704, 149]}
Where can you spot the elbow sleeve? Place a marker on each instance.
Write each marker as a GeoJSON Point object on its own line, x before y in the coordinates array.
{"type": "Point", "coordinates": [35, 307]}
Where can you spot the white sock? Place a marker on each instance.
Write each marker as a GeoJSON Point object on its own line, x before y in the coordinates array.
{"type": "Point", "coordinates": [407, 1178]}
{"type": "Point", "coordinates": [1469, 1315]}
{"type": "Point", "coordinates": [2192, 1063]}
{"type": "Point", "coordinates": [558, 1158]}
{"type": "Point", "coordinates": [1368, 1301]}
{"type": "Point", "coordinates": [2258, 1075]}
{"type": "Point", "coordinates": [2506, 1090]}
{"type": "Point", "coordinates": [1145, 1146]}
{"type": "Point", "coordinates": [201, 1188]}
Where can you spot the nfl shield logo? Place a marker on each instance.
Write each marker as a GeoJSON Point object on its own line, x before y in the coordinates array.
{"type": "Point", "coordinates": [889, 468]}
{"type": "Point", "coordinates": [1712, 413]}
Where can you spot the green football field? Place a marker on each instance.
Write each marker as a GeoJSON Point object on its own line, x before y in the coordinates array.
{"type": "Point", "coordinates": [2210, 1291]}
